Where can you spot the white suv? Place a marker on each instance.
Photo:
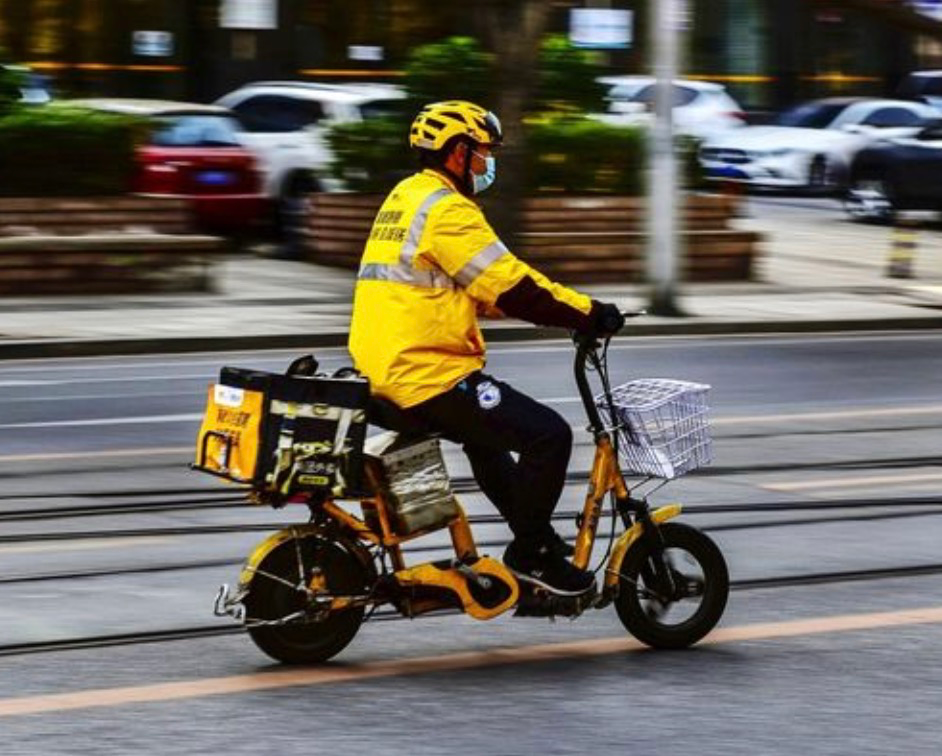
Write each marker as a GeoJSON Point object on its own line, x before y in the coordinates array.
{"type": "Point", "coordinates": [700, 108]}
{"type": "Point", "coordinates": [285, 123]}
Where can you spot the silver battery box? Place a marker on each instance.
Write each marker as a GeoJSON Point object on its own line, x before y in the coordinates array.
{"type": "Point", "coordinates": [415, 482]}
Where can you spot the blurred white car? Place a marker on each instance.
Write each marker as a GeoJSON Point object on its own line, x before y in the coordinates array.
{"type": "Point", "coordinates": [701, 108]}
{"type": "Point", "coordinates": [33, 88]}
{"type": "Point", "coordinates": [285, 122]}
{"type": "Point", "coordinates": [812, 145]}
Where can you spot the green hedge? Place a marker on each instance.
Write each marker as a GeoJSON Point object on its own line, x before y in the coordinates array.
{"type": "Point", "coordinates": [582, 155]}
{"type": "Point", "coordinates": [570, 154]}
{"type": "Point", "coordinates": [66, 151]}
{"type": "Point", "coordinates": [371, 155]}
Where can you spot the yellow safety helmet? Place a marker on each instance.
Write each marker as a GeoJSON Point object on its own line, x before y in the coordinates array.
{"type": "Point", "coordinates": [440, 121]}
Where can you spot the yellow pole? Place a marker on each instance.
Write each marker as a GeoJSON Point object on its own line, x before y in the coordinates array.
{"type": "Point", "coordinates": [902, 250]}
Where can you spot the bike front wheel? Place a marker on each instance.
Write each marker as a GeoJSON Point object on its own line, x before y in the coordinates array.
{"type": "Point", "coordinates": [672, 591]}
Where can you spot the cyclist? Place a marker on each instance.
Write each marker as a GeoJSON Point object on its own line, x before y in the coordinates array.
{"type": "Point", "coordinates": [431, 264]}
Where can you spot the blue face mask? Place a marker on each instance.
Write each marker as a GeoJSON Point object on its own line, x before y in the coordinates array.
{"type": "Point", "coordinates": [482, 182]}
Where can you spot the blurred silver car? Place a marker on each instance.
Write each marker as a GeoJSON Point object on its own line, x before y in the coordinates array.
{"type": "Point", "coordinates": [812, 145]}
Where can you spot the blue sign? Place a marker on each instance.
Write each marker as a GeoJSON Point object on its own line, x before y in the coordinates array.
{"type": "Point", "coordinates": [601, 28]}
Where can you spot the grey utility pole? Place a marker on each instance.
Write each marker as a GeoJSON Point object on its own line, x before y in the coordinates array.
{"type": "Point", "coordinates": [669, 16]}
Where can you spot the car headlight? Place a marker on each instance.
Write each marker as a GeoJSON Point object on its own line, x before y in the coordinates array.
{"type": "Point", "coordinates": [765, 154]}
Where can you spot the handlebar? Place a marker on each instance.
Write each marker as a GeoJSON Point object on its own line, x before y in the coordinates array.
{"type": "Point", "coordinates": [587, 346]}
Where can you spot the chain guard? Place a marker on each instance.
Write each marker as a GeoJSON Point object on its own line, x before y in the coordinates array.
{"type": "Point", "coordinates": [538, 602]}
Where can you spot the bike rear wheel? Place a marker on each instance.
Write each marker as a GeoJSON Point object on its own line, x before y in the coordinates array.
{"type": "Point", "coordinates": [672, 593]}
{"type": "Point", "coordinates": [279, 591]}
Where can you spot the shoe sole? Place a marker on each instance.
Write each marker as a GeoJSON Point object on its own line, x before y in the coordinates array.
{"type": "Point", "coordinates": [525, 578]}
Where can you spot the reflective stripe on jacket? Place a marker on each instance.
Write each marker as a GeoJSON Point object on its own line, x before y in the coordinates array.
{"type": "Point", "coordinates": [430, 264]}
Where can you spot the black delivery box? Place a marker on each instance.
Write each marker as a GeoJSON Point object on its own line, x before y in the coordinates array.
{"type": "Point", "coordinates": [285, 434]}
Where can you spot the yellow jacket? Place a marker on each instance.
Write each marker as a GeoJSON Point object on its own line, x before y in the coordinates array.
{"type": "Point", "coordinates": [431, 263]}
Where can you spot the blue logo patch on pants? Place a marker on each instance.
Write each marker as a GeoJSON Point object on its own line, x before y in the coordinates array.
{"type": "Point", "coordinates": [488, 395]}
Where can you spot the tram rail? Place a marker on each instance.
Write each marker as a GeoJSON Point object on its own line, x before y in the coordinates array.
{"type": "Point", "coordinates": [390, 615]}
{"type": "Point", "coordinates": [878, 509]}
{"type": "Point", "coordinates": [233, 497]}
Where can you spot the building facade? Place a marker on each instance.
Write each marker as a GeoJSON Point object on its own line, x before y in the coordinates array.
{"type": "Point", "coordinates": [770, 53]}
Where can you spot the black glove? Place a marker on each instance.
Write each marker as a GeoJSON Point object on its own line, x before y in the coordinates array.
{"type": "Point", "coordinates": [608, 319]}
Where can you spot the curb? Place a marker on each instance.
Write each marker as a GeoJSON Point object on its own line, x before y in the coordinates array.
{"type": "Point", "coordinates": [53, 348]}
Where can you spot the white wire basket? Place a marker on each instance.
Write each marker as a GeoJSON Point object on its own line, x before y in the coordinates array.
{"type": "Point", "coordinates": [663, 424]}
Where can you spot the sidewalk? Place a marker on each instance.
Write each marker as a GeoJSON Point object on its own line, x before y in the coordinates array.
{"type": "Point", "coordinates": [813, 276]}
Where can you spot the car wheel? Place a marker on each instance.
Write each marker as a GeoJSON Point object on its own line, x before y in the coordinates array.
{"type": "Point", "coordinates": [870, 199]}
{"type": "Point", "coordinates": [293, 211]}
{"type": "Point", "coordinates": [819, 174]}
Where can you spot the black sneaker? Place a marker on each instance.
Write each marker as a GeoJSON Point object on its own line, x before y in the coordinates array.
{"type": "Point", "coordinates": [560, 547]}
{"type": "Point", "coordinates": [546, 568]}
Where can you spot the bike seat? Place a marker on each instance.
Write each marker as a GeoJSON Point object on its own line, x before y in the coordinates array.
{"type": "Point", "coordinates": [388, 415]}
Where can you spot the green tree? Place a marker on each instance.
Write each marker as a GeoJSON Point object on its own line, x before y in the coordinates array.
{"type": "Point", "coordinates": [515, 29]}
{"type": "Point", "coordinates": [9, 85]}
{"type": "Point", "coordinates": [567, 77]}
{"type": "Point", "coordinates": [456, 68]}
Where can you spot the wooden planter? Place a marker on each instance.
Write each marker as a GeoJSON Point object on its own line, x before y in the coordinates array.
{"type": "Point", "coordinates": [101, 245]}
{"type": "Point", "coordinates": [584, 239]}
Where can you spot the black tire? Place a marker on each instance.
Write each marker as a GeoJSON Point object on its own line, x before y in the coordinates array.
{"type": "Point", "coordinates": [870, 199]}
{"type": "Point", "coordinates": [310, 640]}
{"type": "Point", "coordinates": [639, 611]}
{"type": "Point", "coordinates": [819, 175]}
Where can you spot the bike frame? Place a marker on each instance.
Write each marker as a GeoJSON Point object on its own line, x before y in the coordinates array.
{"type": "Point", "coordinates": [606, 478]}
{"type": "Point", "coordinates": [375, 527]}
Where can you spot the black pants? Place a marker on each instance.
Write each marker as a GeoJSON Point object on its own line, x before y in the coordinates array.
{"type": "Point", "coordinates": [490, 420]}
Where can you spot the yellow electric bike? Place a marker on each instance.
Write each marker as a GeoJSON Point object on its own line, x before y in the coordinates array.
{"type": "Point", "coordinates": [305, 590]}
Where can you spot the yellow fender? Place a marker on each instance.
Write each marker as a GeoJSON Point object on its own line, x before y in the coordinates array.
{"type": "Point", "coordinates": [628, 538]}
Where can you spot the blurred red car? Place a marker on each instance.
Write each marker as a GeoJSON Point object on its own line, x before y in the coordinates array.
{"type": "Point", "coordinates": [195, 153]}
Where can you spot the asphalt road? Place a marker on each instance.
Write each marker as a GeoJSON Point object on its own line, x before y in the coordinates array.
{"type": "Point", "coordinates": [800, 422]}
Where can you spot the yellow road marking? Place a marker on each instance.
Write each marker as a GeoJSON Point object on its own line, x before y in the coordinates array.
{"type": "Point", "coordinates": [875, 480]}
{"type": "Point", "coordinates": [286, 678]}
{"type": "Point", "coordinates": [84, 545]}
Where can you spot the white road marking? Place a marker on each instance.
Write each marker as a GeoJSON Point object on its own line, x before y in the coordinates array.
{"type": "Point", "coordinates": [87, 397]}
{"type": "Point", "coordinates": [105, 453]}
{"type": "Point", "coordinates": [160, 378]}
{"type": "Point", "coordinates": [104, 421]}
{"type": "Point", "coordinates": [922, 409]}
{"type": "Point", "coordinates": [83, 545]}
{"type": "Point", "coordinates": [858, 482]}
